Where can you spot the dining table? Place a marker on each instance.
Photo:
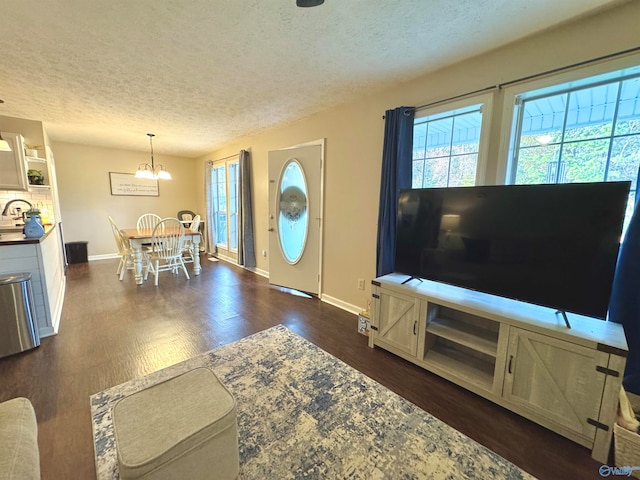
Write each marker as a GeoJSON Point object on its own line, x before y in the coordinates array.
{"type": "Point", "coordinates": [140, 238]}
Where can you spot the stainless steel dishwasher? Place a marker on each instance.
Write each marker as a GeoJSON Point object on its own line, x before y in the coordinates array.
{"type": "Point", "coordinates": [18, 329]}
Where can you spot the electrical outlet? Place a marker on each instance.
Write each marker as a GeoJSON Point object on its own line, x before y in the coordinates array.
{"type": "Point", "coordinates": [264, 253]}
{"type": "Point", "coordinates": [361, 284]}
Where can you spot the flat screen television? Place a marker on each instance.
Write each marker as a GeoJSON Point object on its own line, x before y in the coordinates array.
{"type": "Point", "coordinates": [554, 245]}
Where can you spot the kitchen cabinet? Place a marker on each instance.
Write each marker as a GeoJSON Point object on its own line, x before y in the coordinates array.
{"type": "Point", "coordinates": [43, 258]}
{"type": "Point", "coordinates": [13, 175]}
{"type": "Point", "coordinates": [518, 355]}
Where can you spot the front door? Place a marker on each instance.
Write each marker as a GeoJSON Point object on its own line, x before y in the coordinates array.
{"type": "Point", "coordinates": [295, 217]}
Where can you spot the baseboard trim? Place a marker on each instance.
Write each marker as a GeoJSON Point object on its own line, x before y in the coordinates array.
{"type": "Point", "coordinates": [104, 256]}
{"type": "Point", "coordinates": [258, 271]}
{"type": "Point", "coordinates": [336, 302]}
{"type": "Point", "coordinates": [232, 261]}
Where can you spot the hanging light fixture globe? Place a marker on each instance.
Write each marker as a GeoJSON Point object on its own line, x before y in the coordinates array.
{"type": "Point", "coordinates": [146, 170]}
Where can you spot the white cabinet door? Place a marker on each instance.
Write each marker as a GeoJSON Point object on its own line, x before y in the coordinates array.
{"type": "Point", "coordinates": [397, 321]}
{"type": "Point", "coordinates": [548, 379]}
{"type": "Point", "coordinates": [13, 175]}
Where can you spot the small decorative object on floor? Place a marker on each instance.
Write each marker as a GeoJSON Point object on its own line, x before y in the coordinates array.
{"type": "Point", "coordinates": [364, 322]}
{"type": "Point", "coordinates": [33, 227]}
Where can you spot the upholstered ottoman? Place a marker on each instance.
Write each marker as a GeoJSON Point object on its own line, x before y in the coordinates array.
{"type": "Point", "coordinates": [19, 454]}
{"type": "Point", "coordinates": [182, 428]}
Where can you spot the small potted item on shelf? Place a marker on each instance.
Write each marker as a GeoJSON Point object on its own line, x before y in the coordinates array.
{"type": "Point", "coordinates": [32, 150]}
{"type": "Point", "coordinates": [35, 177]}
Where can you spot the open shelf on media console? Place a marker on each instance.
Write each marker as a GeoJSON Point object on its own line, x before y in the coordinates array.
{"type": "Point", "coordinates": [454, 361]}
{"type": "Point", "coordinates": [476, 338]}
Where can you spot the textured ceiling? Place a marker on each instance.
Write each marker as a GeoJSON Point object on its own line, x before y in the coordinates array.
{"type": "Point", "coordinates": [199, 73]}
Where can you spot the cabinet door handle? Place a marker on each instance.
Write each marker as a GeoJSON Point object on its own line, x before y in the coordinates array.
{"type": "Point", "coordinates": [415, 323]}
{"type": "Point", "coordinates": [510, 363]}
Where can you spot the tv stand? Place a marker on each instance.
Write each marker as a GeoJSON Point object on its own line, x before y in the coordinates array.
{"type": "Point", "coordinates": [412, 278]}
{"type": "Point", "coordinates": [518, 355]}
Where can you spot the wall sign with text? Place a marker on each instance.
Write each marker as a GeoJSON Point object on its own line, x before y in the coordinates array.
{"type": "Point", "coordinates": [128, 184]}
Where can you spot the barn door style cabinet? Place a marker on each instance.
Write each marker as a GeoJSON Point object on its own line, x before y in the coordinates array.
{"type": "Point", "coordinates": [518, 355]}
{"type": "Point", "coordinates": [397, 327]}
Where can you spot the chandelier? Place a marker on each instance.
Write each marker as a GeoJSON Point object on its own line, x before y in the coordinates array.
{"type": "Point", "coordinates": [149, 170]}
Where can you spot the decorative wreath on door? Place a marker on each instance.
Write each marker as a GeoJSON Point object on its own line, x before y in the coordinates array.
{"type": "Point", "coordinates": [293, 203]}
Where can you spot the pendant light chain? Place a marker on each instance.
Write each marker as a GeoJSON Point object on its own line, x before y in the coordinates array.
{"type": "Point", "coordinates": [151, 135]}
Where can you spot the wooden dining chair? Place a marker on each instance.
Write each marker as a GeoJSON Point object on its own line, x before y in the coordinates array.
{"type": "Point", "coordinates": [124, 250]}
{"type": "Point", "coordinates": [189, 248]}
{"type": "Point", "coordinates": [148, 221]}
{"type": "Point", "coordinates": [167, 242]}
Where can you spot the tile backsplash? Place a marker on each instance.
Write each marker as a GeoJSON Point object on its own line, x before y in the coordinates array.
{"type": "Point", "coordinates": [41, 200]}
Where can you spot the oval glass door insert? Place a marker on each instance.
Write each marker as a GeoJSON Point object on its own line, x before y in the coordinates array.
{"type": "Point", "coordinates": [293, 222]}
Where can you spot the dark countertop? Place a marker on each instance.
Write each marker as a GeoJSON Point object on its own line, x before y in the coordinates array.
{"type": "Point", "coordinates": [18, 238]}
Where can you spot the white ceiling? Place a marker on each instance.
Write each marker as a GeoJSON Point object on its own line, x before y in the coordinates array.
{"type": "Point", "coordinates": [199, 73]}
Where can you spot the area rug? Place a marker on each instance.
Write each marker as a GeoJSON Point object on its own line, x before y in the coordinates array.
{"type": "Point", "coordinates": [302, 413]}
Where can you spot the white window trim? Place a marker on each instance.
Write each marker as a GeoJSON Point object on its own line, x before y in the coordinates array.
{"type": "Point", "coordinates": [508, 135]}
{"type": "Point", "coordinates": [486, 102]}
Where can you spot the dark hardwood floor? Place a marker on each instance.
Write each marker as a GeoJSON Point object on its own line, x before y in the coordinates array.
{"type": "Point", "coordinates": [114, 331]}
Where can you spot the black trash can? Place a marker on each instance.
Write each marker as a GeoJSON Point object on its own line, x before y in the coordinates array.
{"type": "Point", "coordinates": [18, 329]}
{"type": "Point", "coordinates": [76, 252]}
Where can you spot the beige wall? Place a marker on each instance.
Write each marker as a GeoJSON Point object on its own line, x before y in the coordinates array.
{"type": "Point", "coordinates": [354, 138]}
{"type": "Point", "coordinates": [85, 194]}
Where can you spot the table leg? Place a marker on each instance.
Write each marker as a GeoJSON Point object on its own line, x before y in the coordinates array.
{"type": "Point", "coordinates": [196, 255]}
{"type": "Point", "coordinates": [137, 260]}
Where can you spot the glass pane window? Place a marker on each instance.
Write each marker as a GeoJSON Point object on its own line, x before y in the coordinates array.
{"type": "Point", "coordinates": [445, 148]}
{"type": "Point", "coordinates": [220, 205]}
{"type": "Point", "coordinates": [293, 222]}
{"type": "Point", "coordinates": [225, 177]}
{"type": "Point", "coordinates": [589, 133]}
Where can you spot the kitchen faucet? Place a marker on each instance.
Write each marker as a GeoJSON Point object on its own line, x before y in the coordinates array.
{"type": "Point", "coordinates": [6, 207]}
